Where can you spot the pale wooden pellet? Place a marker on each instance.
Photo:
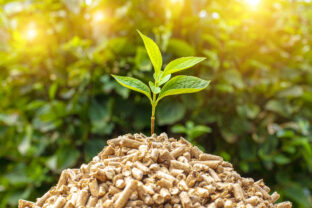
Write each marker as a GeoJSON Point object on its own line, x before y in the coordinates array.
{"type": "Point", "coordinates": [136, 203]}
{"type": "Point", "coordinates": [120, 183]}
{"type": "Point", "coordinates": [175, 172]}
{"type": "Point", "coordinates": [123, 198]}
{"type": "Point", "coordinates": [178, 151]}
{"type": "Point", "coordinates": [83, 198]}
{"type": "Point", "coordinates": [92, 202]}
{"type": "Point", "coordinates": [210, 163]}
{"type": "Point", "coordinates": [214, 175]}
{"type": "Point", "coordinates": [185, 200]}
{"type": "Point", "coordinates": [148, 199]}
{"type": "Point", "coordinates": [253, 200]}
{"type": "Point", "coordinates": [164, 155]}
{"type": "Point", "coordinates": [284, 205]}
{"type": "Point", "coordinates": [137, 173]}
{"type": "Point", "coordinates": [160, 174]}
{"type": "Point", "coordinates": [238, 192]}
{"type": "Point", "coordinates": [142, 167]}
{"type": "Point", "coordinates": [60, 202]}
{"type": "Point", "coordinates": [195, 152]}
{"type": "Point", "coordinates": [202, 192]}
{"type": "Point", "coordinates": [94, 187]}
{"type": "Point", "coordinates": [100, 175]}
{"type": "Point", "coordinates": [25, 204]}
{"type": "Point", "coordinates": [40, 201]}
{"type": "Point", "coordinates": [63, 178]}
{"type": "Point", "coordinates": [164, 183]}
{"type": "Point", "coordinates": [125, 142]}
{"type": "Point", "coordinates": [264, 193]}
{"type": "Point", "coordinates": [205, 156]}
{"type": "Point", "coordinates": [168, 173]}
{"type": "Point", "coordinates": [180, 165]}
{"type": "Point", "coordinates": [108, 150]}
{"type": "Point", "coordinates": [212, 205]}
{"type": "Point", "coordinates": [107, 204]}
{"type": "Point", "coordinates": [165, 193]}
{"type": "Point", "coordinates": [183, 186]}
{"type": "Point", "coordinates": [158, 199]}
{"type": "Point", "coordinates": [228, 204]}
{"type": "Point", "coordinates": [219, 202]}
{"type": "Point", "coordinates": [274, 197]}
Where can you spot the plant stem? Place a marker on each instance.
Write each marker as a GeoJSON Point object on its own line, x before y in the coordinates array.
{"type": "Point", "coordinates": [152, 124]}
{"type": "Point", "coordinates": [153, 114]}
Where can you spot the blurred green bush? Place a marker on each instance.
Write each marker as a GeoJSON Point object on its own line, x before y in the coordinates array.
{"type": "Point", "coordinates": [58, 104]}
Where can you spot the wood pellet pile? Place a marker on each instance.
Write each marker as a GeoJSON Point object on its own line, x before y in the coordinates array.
{"type": "Point", "coordinates": [139, 171]}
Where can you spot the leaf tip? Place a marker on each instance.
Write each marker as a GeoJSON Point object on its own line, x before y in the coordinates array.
{"type": "Point", "coordinates": [207, 83]}
{"type": "Point", "coordinates": [141, 34]}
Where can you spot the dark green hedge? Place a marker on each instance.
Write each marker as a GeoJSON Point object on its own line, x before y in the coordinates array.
{"type": "Point", "coordinates": [58, 104]}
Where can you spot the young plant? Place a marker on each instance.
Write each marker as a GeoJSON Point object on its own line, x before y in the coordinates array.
{"type": "Point", "coordinates": [180, 84]}
{"type": "Point", "coordinates": [191, 130]}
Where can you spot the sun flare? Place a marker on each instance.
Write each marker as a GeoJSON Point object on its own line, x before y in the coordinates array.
{"type": "Point", "coordinates": [177, 1]}
{"type": "Point", "coordinates": [253, 3]}
{"type": "Point", "coordinates": [31, 33]}
{"type": "Point", "coordinates": [98, 16]}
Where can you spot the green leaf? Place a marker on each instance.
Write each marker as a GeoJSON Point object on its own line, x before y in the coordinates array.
{"type": "Point", "coordinates": [154, 89]}
{"type": "Point", "coordinates": [279, 107]}
{"type": "Point", "coordinates": [180, 48]}
{"type": "Point", "coordinates": [92, 147]}
{"type": "Point", "coordinates": [182, 84]}
{"type": "Point", "coordinates": [18, 174]}
{"type": "Point", "coordinates": [161, 79]}
{"type": "Point", "coordinates": [200, 129]}
{"type": "Point", "coordinates": [52, 90]}
{"type": "Point", "coordinates": [50, 116]}
{"type": "Point", "coordinates": [160, 76]}
{"type": "Point", "coordinates": [164, 79]}
{"type": "Point", "coordinates": [99, 115]}
{"type": "Point", "coordinates": [67, 156]}
{"type": "Point", "coordinates": [297, 193]}
{"type": "Point", "coordinates": [281, 159]}
{"type": "Point", "coordinates": [291, 92]}
{"type": "Point", "coordinates": [133, 84]}
{"type": "Point", "coordinates": [181, 64]}
{"type": "Point", "coordinates": [153, 53]}
{"type": "Point", "coordinates": [178, 129]}
{"type": "Point", "coordinates": [169, 112]}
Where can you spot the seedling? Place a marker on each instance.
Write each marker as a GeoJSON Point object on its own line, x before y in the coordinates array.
{"type": "Point", "coordinates": [180, 84]}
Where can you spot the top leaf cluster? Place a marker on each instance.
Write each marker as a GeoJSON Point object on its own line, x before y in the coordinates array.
{"type": "Point", "coordinates": [172, 86]}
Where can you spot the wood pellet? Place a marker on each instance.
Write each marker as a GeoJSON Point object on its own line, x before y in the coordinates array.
{"type": "Point", "coordinates": [157, 171]}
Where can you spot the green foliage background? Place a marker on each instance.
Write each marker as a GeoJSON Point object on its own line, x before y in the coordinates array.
{"type": "Point", "coordinates": [58, 104]}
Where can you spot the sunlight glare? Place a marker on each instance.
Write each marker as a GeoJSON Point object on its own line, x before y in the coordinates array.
{"type": "Point", "coordinates": [253, 3]}
{"type": "Point", "coordinates": [215, 15]}
{"type": "Point", "coordinates": [202, 14]}
{"type": "Point", "coordinates": [88, 2]}
{"type": "Point", "coordinates": [31, 33]}
{"type": "Point", "coordinates": [98, 16]}
{"type": "Point", "coordinates": [177, 1]}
